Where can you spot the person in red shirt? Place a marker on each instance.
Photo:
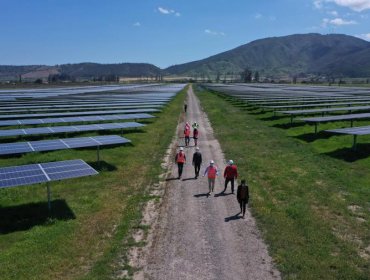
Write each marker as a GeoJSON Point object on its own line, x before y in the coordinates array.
{"type": "Point", "coordinates": [180, 160]}
{"type": "Point", "coordinates": [230, 174]}
{"type": "Point", "coordinates": [187, 136]}
{"type": "Point", "coordinates": [212, 172]}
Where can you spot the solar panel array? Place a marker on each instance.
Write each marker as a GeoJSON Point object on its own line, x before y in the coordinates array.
{"type": "Point", "coordinates": [307, 101]}
{"type": "Point", "coordinates": [60, 144]}
{"type": "Point", "coordinates": [80, 113]}
{"type": "Point", "coordinates": [44, 172]}
{"type": "Point", "coordinates": [65, 129]}
{"type": "Point", "coordinates": [75, 119]}
{"type": "Point", "coordinates": [68, 105]}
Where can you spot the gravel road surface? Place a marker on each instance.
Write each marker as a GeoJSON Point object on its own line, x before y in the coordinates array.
{"type": "Point", "coordinates": [200, 237]}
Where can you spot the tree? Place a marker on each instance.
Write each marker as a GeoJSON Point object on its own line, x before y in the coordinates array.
{"type": "Point", "coordinates": [256, 76]}
{"type": "Point", "coordinates": [246, 75]}
{"type": "Point", "coordinates": [218, 75]}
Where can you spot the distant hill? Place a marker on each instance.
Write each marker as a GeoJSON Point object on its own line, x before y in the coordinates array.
{"type": "Point", "coordinates": [78, 71]}
{"type": "Point", "coordinates": [292, 55]}
{"type": "Point", "coordinates": [299, 55]}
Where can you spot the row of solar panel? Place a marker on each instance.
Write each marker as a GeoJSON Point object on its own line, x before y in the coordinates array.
{"type": "Point", "coordinates": [83, 113]}
{"type": "Point", "coordinates": [150, 103]}
{"type": "Point", "coordinates": [75, 119]}
{"type": "Point", "coordinates": [72, 109]}
{"type": "Point", "coordinates": [60, 144]}
{"type": "Point", "coordinates": [44, 172]}
{"type": "Point", "coordinates": [65, 129]}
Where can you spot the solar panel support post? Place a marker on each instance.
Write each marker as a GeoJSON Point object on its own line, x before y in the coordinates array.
{"type": "Point", "coordinates": [291, 119]}
{"type": "Point", "coordinates": [354, 146]}
{"type": "Point", "coordinates": [351, 123]}
{"type": "Point", "coordinates": [48, 195]}
{"type": "Point", "coordinates": [98, 154]}
{"type": "Point", "coordinates": [316, 124]}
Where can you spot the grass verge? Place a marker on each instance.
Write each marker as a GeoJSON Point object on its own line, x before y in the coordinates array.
{"type": "Point", "coordinates": [312, 208]}
{"type": "Point", "coordinates": [91, 216]}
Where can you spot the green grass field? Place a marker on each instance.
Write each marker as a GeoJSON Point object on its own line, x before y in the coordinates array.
{"type": "Point", "coordinates": [310, 193]}
{"type": "Point", "coordinates": [91, 217]}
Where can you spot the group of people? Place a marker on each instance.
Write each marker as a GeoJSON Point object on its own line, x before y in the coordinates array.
{"type": "Point", "coordinates": [230, 173]}
{"type": "Point", "coordinates": [187, 132]}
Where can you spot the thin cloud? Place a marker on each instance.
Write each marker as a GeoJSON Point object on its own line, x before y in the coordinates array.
{"type": "Point", "coordinates": [137, 24]}
{"type": "Point", "coordinates": [355, 5]}
{"type": "Point", "coordinates": [214, 33]}
{"type": "Point", "coordinates": [365, 36]}
{"type": "Point", "coordinates": [337, 22]}
{"type": "Point", "coordinates": [257, 16]}
{"type": "Point", "coordinates": [166, 11]}
{"type": "Point", "coordinates": [333, 13]}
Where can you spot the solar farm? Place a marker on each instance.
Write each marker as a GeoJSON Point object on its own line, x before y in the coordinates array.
{"type": "Point", "coordinates": [310, 190]}
{"type": "Point", "coordinates": [309, 105]}
{"type": "Point", "coordinates": [92, 104]}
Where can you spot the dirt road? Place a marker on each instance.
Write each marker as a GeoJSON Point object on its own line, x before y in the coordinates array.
{"type": "Point", "coordinates": [200, 237]}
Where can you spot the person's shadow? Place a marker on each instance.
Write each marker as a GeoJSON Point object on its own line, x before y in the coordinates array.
{"type": "Point", "coordinates": [172, 179]}
{"type": "Point", "coordinates": [190, 178]}
{"type": "Point", "coordinates": [233, 217]}
{"type": "Point", "coordinates": [201, 195]}
{"type": "Point", "coordinates": [222, 194]}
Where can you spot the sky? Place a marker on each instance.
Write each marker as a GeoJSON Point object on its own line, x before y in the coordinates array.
{"type": "Point", "coordinates": [161, 32]}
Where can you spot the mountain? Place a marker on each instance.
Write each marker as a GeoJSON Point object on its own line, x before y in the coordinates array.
{"type": "Point", "coordinates": [78, 71]}
{"type": "Point", "coordinates": [300, 54]}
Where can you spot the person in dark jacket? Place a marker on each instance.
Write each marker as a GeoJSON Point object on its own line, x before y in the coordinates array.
{"type": "Point", "coordinates": [197, 161]}
{"type": "Point", "coordinates": [242, 195]}
{"type": "Point", "coordinates": [230, 174]}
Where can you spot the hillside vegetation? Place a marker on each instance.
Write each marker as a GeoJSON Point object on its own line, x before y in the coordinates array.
{"type": "Point", "coordinates": [292, 55]}
{"type": "Point", "coordinates": [300, 55]}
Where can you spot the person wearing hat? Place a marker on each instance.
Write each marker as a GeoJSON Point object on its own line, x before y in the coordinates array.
{"type": "Point", "coordinates": [180, 160]}
{"type": "Point", "coordinates": [242, 194]}
{"type": "Point", "coordinates": [230, 174]}
{"type": "Point", "coordinates": [197, 161]}
{"type": "Point", "coordinates": [187, 136]}
{"type": "Point", "coordinates": [195, 136]}
{"type": "Point", "coordinates": [212, 172]}
{"type": "Point", "coordinates": [187, 133]}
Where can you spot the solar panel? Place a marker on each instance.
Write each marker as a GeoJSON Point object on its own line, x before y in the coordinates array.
{"type": "Point", "coordinates": [65, 129]}
{"type": "Point", "coordinates": [359, 130]}
{"type": "Point", "coordinates": [83, 113]}
{"type": "Point", "coordinates": [300, 112]}
{"type": "Point", "coordinates": [43, 172]}
{"type": "Point", "coordinates": [27, 107]}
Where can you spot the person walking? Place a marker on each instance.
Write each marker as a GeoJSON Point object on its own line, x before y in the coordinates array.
{"type": "Point", "coordinates": [242, 194]}
{"type": "Point", "coordinates": [212, 172]}
{"type": "Point", "coordinates": [187, 135]}
{"type": "Point", "coordinates": [197, 161]}
{"type": "Point", "coordinates": [187, 126]}
{"type": "Point", "coordinates": [195, 136]}
{"type": "Point", "coordinates": [230, 174]}
{"type": "Point", "coordinates": [180, 160]}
